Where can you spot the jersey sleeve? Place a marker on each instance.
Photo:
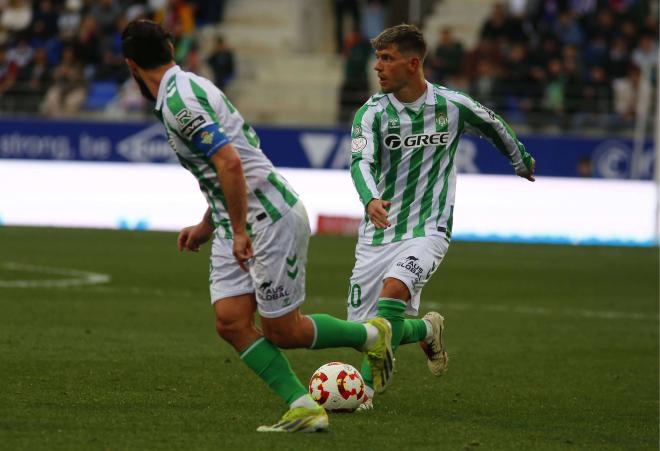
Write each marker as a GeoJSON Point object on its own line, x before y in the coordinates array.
{"type": "Point", "coordinates": [482, 121]}
{"type": "Point", "coordinates": [365, 143]}
{"type": "Point", "coordinates": [191, 115]}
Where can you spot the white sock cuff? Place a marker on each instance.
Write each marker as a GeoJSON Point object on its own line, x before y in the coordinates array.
{"type": "Point", "coordinates": [316, 332]}
{"type": "Point", "coordinates": [372, 335]}
{"type": "Point", "coordinates": [429, 329]}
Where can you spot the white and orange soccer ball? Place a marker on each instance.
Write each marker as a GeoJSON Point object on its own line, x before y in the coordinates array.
{"type": "Point", "coordinates": [337, 386]}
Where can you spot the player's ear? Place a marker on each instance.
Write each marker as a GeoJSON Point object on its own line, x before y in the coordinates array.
{"type": "Point", "coordinates": [171, 48]}
{"type": "Point", "coordinates": [414, 63]}
{"type": "Point", "coordinates": [131, 65]}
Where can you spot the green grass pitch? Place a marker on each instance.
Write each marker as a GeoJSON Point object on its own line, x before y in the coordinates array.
{"type": "Point", "coordinates": [551, 347]}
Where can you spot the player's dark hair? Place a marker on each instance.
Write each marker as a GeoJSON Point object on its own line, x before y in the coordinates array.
{"type": "Point", "coordinates": [407, 38]}
{"type": "Point", "coordinates": [146, 43]}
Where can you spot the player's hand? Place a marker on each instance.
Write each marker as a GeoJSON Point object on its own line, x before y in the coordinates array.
{"type": "Point", "coordinates": [529, 175]}
{"type": "Point", "coordinates": [242, 250]}
{"type": "Point", "coordinates": [377, 212]}
{"type": "Point", "coordinates": [191, 238]}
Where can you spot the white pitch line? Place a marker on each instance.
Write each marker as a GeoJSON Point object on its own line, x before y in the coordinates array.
{"type": "Point", "coordinates": [544, 311]}
{"type": "Point", "coordinates": [521, 309]}
{"type": "Point", "coordinates": [76, 277]}
{"type": "Point", "coordinates": [137, 291]}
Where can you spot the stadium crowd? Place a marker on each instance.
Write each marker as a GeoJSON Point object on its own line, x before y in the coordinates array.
{"type": "Point", "coordinates": [58, 57]}
{"type": "Point", "coordinates": [570, 63]}
{"type": "Point", "coordinates": [573, 63]}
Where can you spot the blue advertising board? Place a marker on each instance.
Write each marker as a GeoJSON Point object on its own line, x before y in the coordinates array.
{"type": "Point", "coordinates": [329, 148]}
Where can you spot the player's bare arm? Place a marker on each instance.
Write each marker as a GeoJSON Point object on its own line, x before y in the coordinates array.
{"type": "Point", "coordinates": [232, 180]}
{"type": "Point", "coordinates": [377, 212]}
{"type": "Point", "coordinates": [192, 237]}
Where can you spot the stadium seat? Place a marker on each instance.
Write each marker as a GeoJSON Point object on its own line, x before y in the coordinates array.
{"type": "Point", "coordinates": [100, 94]}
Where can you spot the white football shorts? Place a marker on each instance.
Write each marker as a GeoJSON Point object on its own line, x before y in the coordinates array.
{"type": "Point", "coordinates": [411, 261]}
{"type": "Point", "coordinates": [277, 270]}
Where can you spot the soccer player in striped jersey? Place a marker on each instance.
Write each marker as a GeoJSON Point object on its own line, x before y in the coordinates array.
{"type": "Point", "coordinates": [259, 228]}
{"type": "Point", "coordinates": [404, 141]}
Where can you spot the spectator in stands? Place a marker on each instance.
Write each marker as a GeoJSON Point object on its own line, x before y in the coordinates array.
{"type": "Point", "coordinates": [596, 51]}
{"type": "Point", "coordinates": [106, 13]}
{"type": "Point", "coordinates": [8, 72]}
{"type": "Point", "coordinates": [21, 53]}
{"type": "Point", "coordinates": [35, 79]}
{"type": "Point", "coordinates": [486, 50]}
{"type": "Point", "coordinates": [625, 96]}
{"type": "Point", "coordinates": [221, 62]}
{"type": "Point", "coordinates": [179, 14]}
{"type": "Point", "coordinates": [485, 83]}
{"type": "Point", "coordinates": [646, 55]}
{"type": "Point", "coordinates": [602, 25]}
{"type": "Point", "coordinates": [568, 30]}
{"type": "Point", "coordinates": [597, 101]}
{"type": "Point", "coordinates": [573, 87]}
{"type": "Point", "coordinates": [341, 9]}
{"type": "Point", "coordinates": [193, 62]}
{"type": "Point", "coordinates": [182, 42]}
{"type": "Point", "coordinates": [584, 167]}
{"type": "Point", "coordinates": [67, 94]}
{"type": "Point", "coordinates": [618, 58]}
{"type": "Point", "coordinates": [447, 59]}
{"type": "Point", "coordinates": [355, 87]}
{"type": "Point", "coordinates": [47, 14]}
{"type": "Point", "coordinates": [496, 26]}
{"type": "Point", "coordinates": [553, 92]}
{"type": "Point", "coordinates": [517, 78]}
{"type": "Point", "coordinates": [17, 16]}
{"type": "Point", "coordinates": [87, 46]}
{"type": "Point", "coordinates": [373, 18]}
{"type": "Point", "coordinates": [209, 11]}
{"type": "Point", "coordinates": [69, 21]}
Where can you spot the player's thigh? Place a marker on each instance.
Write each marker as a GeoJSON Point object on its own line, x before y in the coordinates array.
{"type": "Point", "coordinates": [415, 262]}
{"type": "Point", "coordinates": [278, 267]}
{"type": "Point", "coordinates": [226, 279]}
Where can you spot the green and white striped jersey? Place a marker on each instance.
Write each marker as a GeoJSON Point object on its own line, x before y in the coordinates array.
{"type": "Point", "coordinates": [199, 120]}
{"type": "Point", "coordinates": [407, 158]}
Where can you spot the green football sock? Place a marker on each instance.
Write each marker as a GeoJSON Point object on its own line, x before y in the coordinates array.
{"type": "Point", "coordinates": [268, 362]}
{"type": "Point", "coordinates": [333, 332]}
{"type": "Point", "coordinates": [414, 330]}
{"type": "Point", "coordinates": [393, 310]}
{"type": "Point", "coordinates": [365, 371]}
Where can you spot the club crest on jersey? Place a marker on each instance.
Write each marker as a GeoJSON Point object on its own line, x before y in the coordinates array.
{"type": "Point", "coordinates": [441, 119]}
{"type": "Point", "coordinates": [358, 144]}
{"type": "Point", "coordinates": [394, 141]}
{"type": "Point", "coordinates": [207, 137]}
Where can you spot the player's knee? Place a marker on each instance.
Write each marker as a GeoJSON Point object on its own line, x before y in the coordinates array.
{"type": "Point", "coordinates": [395, 289]}
{"type": "Point", "coordinates": [229, 330]}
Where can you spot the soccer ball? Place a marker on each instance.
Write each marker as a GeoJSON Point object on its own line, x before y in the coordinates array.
{"type": "Point", "coordinates": [337, 386]}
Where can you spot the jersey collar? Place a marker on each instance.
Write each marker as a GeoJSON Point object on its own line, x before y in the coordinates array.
{"type": "Point", "coordinates": [163, 83]}
{"type": "Point", "coordinates": [430, 98]}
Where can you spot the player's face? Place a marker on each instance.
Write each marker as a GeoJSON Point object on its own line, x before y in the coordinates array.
{"type": "Point", "coordinates": [394, 69]}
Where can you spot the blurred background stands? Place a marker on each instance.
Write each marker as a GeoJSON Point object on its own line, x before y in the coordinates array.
{"type": "Point", "coordinates": [545, 65]}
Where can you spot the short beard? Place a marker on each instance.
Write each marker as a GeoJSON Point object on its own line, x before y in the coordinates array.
{"type": "Point", "coordinates": [143, 88]}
